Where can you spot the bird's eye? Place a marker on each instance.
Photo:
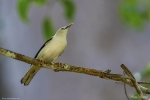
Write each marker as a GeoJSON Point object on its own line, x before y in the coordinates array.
{"type": "Point", "coordinates": [62, 28]}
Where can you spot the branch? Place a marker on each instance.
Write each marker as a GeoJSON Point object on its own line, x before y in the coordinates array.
{"type": "Point", "coordinates": [129, 79]}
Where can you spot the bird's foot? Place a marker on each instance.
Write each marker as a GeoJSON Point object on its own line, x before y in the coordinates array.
{"type": "Point", "coordinates": [42, 62]}
{"type": "Point", "coordinates": [58, 65]}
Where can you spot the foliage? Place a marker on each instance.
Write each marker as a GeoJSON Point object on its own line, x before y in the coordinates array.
{"type": "Point", "coordinates": [146, 71]}
{"type": "Point", "coordinates": [48, 28]}
{"type": "Point", "coordinates": [23, 7]}
{"type": "Point", "coordinates": [135, 12]}
{"type": "Point", "coordinates": [39, 2]}
{"type": "Point", "coordinates": [69, 9]}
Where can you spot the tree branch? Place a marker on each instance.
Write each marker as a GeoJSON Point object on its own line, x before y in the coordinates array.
{"type": "Point", "coordinates": [129, 79]}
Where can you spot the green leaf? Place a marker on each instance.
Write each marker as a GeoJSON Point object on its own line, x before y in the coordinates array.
{"type": "Point", "coordinates": [148, 15]}
{"type": "Point", "coordinates": [39, 2]}
{"type": "Point", "coordinates": [48, 28]}
{"type": "Point", "coordinates": [131, 2]}
{"type": "Point", "coordinates": [131, 15]}
{"type": "Point", "coordinates": [69, 9]}
{"type": "Point", "coordinates": [23, 9]}
{"type": "Point", "coordinates": [146, 71]}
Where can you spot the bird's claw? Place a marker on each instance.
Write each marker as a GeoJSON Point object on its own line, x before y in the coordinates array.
{"type": "Point", "coordinates": [42, 62]}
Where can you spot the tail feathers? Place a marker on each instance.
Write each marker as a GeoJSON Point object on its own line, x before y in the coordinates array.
{"type": "Point", "coordinates": [29, 75]}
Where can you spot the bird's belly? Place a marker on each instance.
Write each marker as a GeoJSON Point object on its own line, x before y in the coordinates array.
{"type": "Point", "coordinates": [51, 52]}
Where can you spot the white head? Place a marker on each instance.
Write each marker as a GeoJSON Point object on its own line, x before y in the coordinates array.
{"type": "Point", "coordinates": [63, 30]}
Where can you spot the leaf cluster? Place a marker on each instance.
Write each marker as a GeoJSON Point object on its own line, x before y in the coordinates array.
{"type": "Point", "coordinates": [23, 7]}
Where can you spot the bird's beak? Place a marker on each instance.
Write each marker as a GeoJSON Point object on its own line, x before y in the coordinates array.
{"type": "Point", "coordinates": [69, 25]}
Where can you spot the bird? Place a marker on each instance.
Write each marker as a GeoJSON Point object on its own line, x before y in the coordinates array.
{"type": "Point", "coordinates": [49, 52]}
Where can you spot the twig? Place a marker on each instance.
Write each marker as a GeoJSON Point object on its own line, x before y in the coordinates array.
{"type": "Point", "coordinates": [143, 82]}
{"type": "Point", "coordinates": [135, 84]}
{"type": "Point", "coordinates": [125, 90]}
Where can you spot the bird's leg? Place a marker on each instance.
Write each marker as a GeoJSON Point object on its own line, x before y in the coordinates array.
{"type": "Point", "coordinates": [42, 61]}
{"type": "Point", "coordinates": [59, 65]}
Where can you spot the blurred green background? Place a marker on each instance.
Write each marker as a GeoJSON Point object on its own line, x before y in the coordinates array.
{"type": "Point", "coordinates": [105, 34]}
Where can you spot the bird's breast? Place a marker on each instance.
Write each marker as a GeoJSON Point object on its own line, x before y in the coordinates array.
{"type": "Point", "coordinates": [52, 50]}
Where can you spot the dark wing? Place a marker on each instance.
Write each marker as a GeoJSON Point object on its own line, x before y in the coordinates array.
{"type": "Point", "coordinates": [43, 46]}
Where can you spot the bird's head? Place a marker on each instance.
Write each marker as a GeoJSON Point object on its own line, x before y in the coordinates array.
{"type": "Point", "coordinates": [64, 30]}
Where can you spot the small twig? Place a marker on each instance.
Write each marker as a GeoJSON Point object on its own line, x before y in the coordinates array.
{"type": "Point", "coordinates": [135, 84]}
{"type": "Point", "coordinates": [143, 82]}
{"type": "Point", "coordinates": [125, 90]}
{"type": "Point", "coordinates": [126, 70]}
{"type": "Point", "coordinates": [144, 89]}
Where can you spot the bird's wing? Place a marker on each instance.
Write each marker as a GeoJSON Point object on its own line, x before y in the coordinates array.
{"type": "Point", "coordinates": [43, 46]}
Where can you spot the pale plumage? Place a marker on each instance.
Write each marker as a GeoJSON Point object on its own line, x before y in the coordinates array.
{"type": "Point", "coordinates": [49, 52]}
